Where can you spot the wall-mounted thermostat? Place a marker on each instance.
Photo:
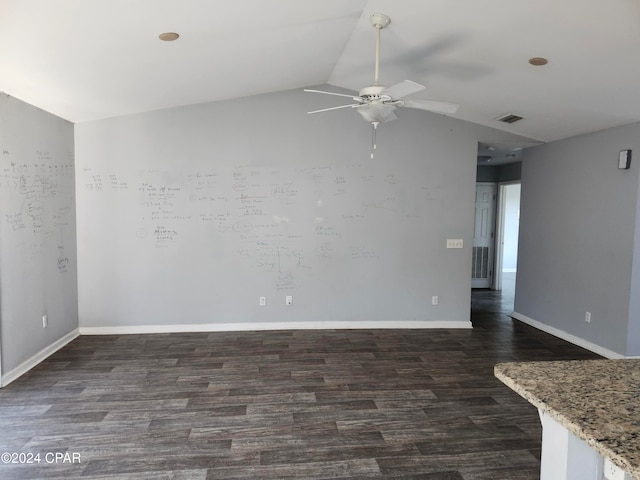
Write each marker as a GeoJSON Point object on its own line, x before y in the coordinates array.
{"type": "Point", "coordinates": [624, 160]}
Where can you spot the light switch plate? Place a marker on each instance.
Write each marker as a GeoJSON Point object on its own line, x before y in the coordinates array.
{"type": "Point", "coordinates": [455, 243]}
{"type": "Point", "coordinates": [624, 160]}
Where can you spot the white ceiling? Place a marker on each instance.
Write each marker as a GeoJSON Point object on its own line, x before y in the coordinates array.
{"type": "Point", "coordinates": [91, 59]}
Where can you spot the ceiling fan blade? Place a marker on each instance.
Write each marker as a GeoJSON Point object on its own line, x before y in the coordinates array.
{"type": "Point", "coordinates": [333, 93]}
{"type": "Point", "coordinates": [334, 108]}
{"type": "Point", "coordinates": [432, 106]}
{"type": "Point", "coordinates": [403, 89]}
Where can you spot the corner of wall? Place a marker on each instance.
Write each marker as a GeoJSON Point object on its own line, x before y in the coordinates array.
{"type": "Point", "coordinates": [38, 239]}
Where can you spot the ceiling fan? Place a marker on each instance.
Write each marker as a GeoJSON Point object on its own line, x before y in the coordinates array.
{"type": "Point", "coordinates": [376, 102]}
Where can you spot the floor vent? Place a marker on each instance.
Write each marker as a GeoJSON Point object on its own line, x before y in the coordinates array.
{"type": "Point", "coordinates": [480, 267]}
{"type": "Point", "coordinates": [510, 118]}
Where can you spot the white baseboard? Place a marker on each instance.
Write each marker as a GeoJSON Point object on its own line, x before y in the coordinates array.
{"type": "Point", "coordinates": [556, 332]}
{"type": "Point", "coordinates": [42, 355]}
{"type": "Point", "coordinates": [253, 326]}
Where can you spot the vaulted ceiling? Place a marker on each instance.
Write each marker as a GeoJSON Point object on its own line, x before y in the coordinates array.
{"type": "Point", "coordinates": [91, 59]}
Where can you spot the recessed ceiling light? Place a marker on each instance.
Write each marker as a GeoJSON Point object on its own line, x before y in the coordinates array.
{"type": "Point", "coordinates": [168, 36]}
{"type": "Point", "coordinates": [538, 61]}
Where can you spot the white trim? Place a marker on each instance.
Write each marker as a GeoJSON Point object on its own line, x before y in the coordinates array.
{"type": "Point", "coordinates": [252, 326]}
{"type": "Point", "coordinates": [39, 357]}
{"type": "Point", "coordinates": [564, 454]}
{"type": "Point", "coordinates": [509, 270]}
{"type": "Point", "coordinates": [556, 332]}
{"type": "Point", "coordinates": [501, 210]}
{"type": "Point", "coordinates": [499, 237]}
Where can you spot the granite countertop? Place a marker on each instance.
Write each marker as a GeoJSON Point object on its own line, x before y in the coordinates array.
{"type": "Point", "coordinates": [596, 400]}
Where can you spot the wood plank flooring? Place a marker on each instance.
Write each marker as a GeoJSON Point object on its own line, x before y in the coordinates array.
{"type": "Point", "coordinates": [352, 404]}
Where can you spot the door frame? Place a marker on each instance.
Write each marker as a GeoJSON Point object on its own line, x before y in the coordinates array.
{"type": "Point", "coordinates": [501, 207]}
{"type": "Point", "coordinates": [1, 384]}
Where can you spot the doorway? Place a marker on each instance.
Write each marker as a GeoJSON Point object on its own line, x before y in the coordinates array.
{"type": "Point", "coordinates": [508, 226]}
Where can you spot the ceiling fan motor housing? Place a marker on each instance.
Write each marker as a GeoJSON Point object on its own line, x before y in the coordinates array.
{"type": "Point", "coordinates": [372, 92]}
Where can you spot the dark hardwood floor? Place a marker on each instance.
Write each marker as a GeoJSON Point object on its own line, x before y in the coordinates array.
{"type": "Point", "coordinates": [352, 404]}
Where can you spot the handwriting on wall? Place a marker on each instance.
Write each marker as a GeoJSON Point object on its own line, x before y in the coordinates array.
{"type": "Point", "coordinates": [279, 222]}
{"type": "Point", "coordinates": [37, 202]}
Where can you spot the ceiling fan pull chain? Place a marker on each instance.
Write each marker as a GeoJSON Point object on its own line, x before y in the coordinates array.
{"type": "Point", "coordinates": [373, 137]}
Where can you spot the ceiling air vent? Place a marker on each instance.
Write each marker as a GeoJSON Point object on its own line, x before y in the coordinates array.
{"type": "Point", "coordinates": [510, 118]}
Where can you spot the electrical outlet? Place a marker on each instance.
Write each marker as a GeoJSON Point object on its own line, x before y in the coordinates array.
{"type": "Point", "coordinates": [587, 317]}
{"type": "Point", "coordinates": [434, 300]}
{"type": "Point", "coordinates": [263, 301]}
{"type": "Point", "coordinates": [613, 472]}
{"type": "Point", "coordinates": [45, 320]}
{"type": "Point", "coordinates": [288, 300]}
{"type": "Point", "coordinates": [455, 243]}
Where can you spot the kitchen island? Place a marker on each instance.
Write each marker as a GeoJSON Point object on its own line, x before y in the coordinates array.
{"type": "Point", "coordinates": [590, 413]}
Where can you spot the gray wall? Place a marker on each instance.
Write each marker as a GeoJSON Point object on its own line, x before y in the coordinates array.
{"type": "Point", "coordinates": [578, 238]}
{"type": "Point", "coordinates": [633, 334]}
{"type": "Point", "coordinates": [509, 172]}
{"type": "Point", "coordinates": [37, 231]}
{"type": "Point", "coordinates": [487, 174]}
{"type": "Point", "coordinates": [188, 215]}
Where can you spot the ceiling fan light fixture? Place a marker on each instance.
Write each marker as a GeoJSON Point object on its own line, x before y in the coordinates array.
{"type": "Point", "coordinates": [376, 112]}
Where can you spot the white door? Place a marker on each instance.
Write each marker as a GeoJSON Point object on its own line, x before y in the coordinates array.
{"type": "Point", "coordinates": [483, 236]}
